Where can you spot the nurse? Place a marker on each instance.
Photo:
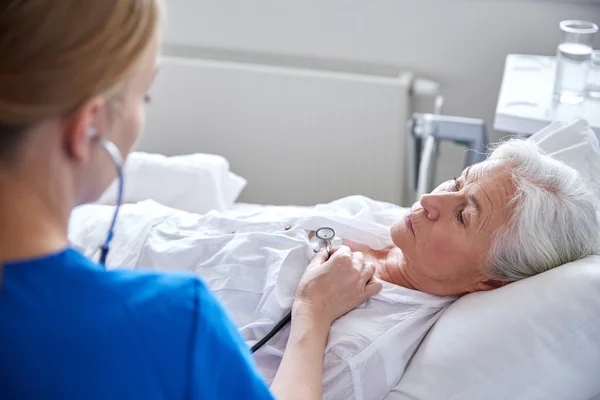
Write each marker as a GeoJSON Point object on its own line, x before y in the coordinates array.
{"type": "Point", "coordinates": [68, 328]}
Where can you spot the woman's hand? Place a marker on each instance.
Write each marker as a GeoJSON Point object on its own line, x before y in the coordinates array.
{"type": "Point", "coordinates": [327, 290]}
{"type": "Point", "coordinates": [330, 289]}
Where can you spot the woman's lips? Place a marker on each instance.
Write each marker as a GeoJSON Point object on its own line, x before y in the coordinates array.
{"type": "Point", "coordinates": [408, 222]}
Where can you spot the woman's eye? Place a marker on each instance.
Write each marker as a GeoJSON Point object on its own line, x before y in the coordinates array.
{"type": "Point", "coordinates": [461, 218]}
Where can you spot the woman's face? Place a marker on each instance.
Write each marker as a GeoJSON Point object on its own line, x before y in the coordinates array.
{"type": "Point", "coordinates": [129, 111]}
{"type": "Point", "coordinates": [447, 234]}
{"type": "Point", "coordinates": [121, 123]}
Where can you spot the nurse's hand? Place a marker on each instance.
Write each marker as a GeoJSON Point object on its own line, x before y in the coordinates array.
{"type": "Point", "coordinates": [330, 289]}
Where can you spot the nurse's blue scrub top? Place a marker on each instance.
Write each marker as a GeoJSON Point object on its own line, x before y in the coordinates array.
{"type": "Point", "coordinates": [71, 330]}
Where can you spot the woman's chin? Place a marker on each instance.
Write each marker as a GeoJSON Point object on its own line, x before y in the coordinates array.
{"type": "Point", "coordinates": [399, 232]}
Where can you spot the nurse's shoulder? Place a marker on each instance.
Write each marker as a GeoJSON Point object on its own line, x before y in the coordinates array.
{"type": "Point", "coordinates": [176, 311]}
{"type": "Point", "coordinates": [73, 325]}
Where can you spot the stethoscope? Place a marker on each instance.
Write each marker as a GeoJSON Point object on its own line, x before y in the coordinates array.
{"type": "Point", "coordinates": [117, 160]}
{"type": "Point", "coordinates": [323, 239]}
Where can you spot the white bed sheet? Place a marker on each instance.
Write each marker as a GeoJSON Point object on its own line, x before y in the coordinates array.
{"type": "Point", "coordinates": [243, 208]}
{"type": "Point", "coordinates": [252, 258]}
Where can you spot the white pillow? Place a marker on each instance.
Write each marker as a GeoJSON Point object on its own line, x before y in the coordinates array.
{"type": "Point", "coordinates": [575, 144]}
{"type": "Point", "coordinates": [195, 183]}
{"type": "Point", "coordinates": [534, 339]}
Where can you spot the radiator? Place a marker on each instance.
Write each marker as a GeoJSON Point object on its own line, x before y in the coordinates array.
{"type": "Point", "coordinates": [300, 132]}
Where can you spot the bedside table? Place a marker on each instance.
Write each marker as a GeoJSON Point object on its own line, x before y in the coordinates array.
{"type": "Point", "coordinates": [525, 103]}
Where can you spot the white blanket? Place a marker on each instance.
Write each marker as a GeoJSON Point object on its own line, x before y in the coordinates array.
{"type": "Point", "coordinates": [252, 260]}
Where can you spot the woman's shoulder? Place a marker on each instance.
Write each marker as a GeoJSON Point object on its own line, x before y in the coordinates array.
{"type": "Point", "coordinates": [181, 309]}
{"type": "Point", "coordinates": [158, 293]}
{"type": "Point", "coordinates": [159, 311]}
{"type": "Point", "coordinates": [146, 326]}
{"type": "Point", "coordinates": [79, 285]}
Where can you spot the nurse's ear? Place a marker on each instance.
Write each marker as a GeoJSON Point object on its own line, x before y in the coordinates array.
{"type": "Point", "coordinates": [79, 127]}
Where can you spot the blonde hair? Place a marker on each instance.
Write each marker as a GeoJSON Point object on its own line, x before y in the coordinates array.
{"type": "Point", "coordinates": [54, 55]}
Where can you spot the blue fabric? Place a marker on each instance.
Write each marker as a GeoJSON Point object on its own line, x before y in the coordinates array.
{"type": "Point", "coordinates": [71, 330]}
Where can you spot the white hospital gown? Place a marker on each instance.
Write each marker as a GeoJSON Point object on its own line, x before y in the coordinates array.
{"type": "Point", "coordinates": [253, 261]}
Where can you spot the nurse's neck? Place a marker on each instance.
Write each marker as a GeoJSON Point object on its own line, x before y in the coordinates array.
{"type": "Point", "coordinates": [34, 206]}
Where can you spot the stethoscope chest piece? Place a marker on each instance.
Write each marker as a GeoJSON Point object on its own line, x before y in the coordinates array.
{"type": "Point", "coordinates": [324, 238]}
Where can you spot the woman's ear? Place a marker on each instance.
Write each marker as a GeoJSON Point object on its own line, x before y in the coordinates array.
{"type": "Point", "coordinates": [489, 285]}
{"type": "Point", "coordinates": [81, 126]}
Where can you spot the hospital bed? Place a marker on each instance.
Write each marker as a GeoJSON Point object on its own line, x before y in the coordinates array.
{"type": "Point", "coordinates": [534, 339]}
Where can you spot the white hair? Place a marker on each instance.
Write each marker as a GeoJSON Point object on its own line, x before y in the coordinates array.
{"type": "Point", "coordinates": [553, 218]}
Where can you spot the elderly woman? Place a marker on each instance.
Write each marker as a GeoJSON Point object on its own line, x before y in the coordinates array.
{"type": "Point", "coordinates": [513, 216]}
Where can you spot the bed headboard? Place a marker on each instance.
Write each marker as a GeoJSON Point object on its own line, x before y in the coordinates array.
{"type": "Point", "coordinates": [300, 131]}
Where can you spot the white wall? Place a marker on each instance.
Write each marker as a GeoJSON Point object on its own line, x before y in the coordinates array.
{"type": "Point", "coordinates": [460, 43]}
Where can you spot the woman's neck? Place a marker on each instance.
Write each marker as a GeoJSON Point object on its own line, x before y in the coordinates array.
{"type": "Point", "coordinates": [390, 267]}
{"type": "Point", "coordinates": [34, 216]}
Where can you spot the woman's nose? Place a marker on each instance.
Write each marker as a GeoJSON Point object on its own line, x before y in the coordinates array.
{"type": "Point", "coordinates": [431, 205]}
